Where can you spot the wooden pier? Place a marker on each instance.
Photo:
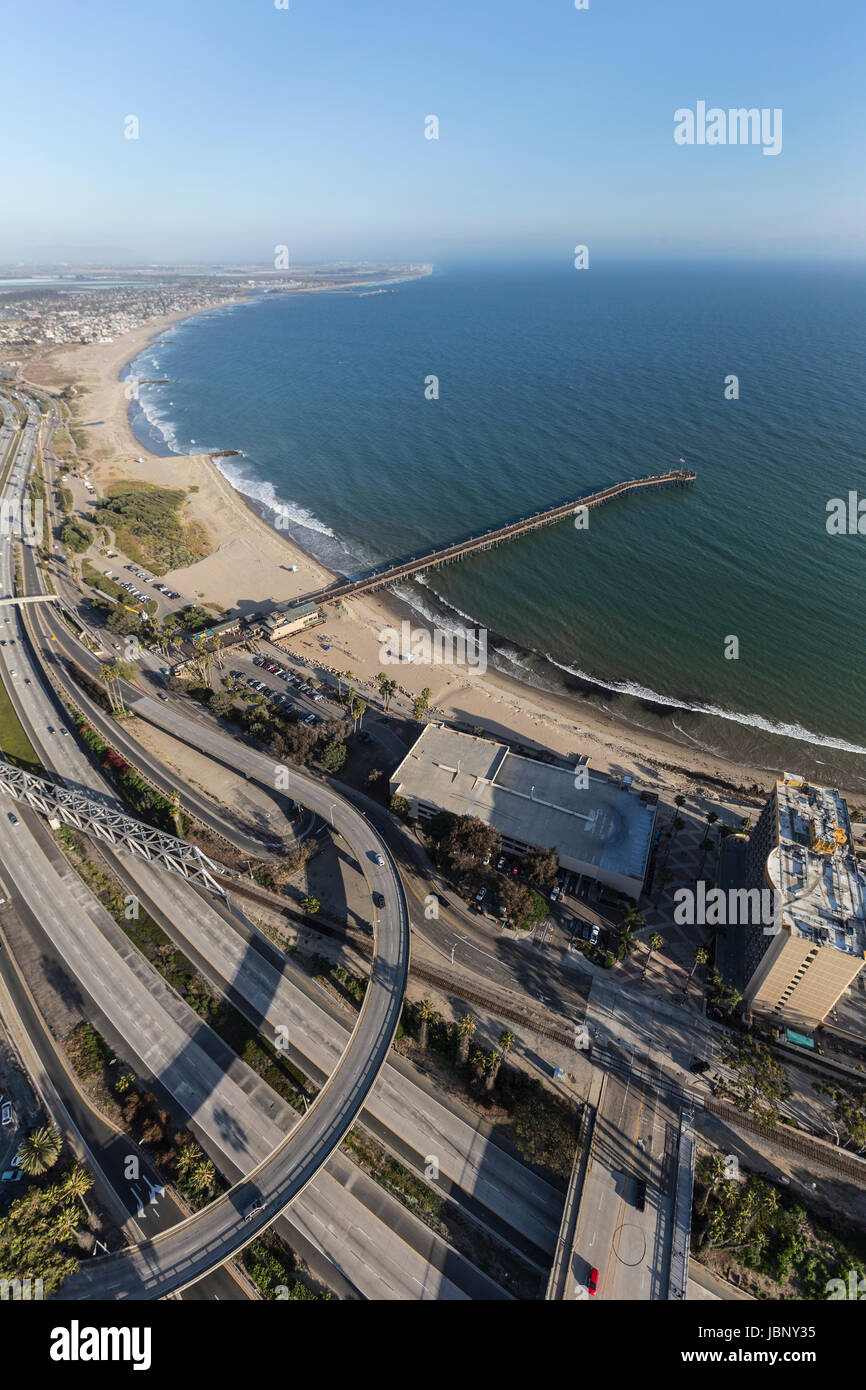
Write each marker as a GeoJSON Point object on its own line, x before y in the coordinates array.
{"type": "Point", "coordinates": [396, 570]}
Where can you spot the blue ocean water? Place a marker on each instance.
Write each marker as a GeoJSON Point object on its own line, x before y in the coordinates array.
{"type": "Point", "coordinates": [553, 382]}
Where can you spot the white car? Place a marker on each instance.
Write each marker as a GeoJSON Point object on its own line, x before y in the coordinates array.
{"type": "Point", "coordinates": [377, 859]}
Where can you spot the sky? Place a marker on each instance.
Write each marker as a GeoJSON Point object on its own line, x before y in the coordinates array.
{"type": "Point", "coordinates": [304, 127]}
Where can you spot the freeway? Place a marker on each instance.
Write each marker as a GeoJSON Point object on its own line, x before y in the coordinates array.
{"type": "Point", "coordinates": [177, 1258]}
{"type": "Point", "coordinates": [473, 1164]}
{"type": "Point", "coordinates": [242, 1117]}
{"type": "Point", "coordinates": [271, 994]}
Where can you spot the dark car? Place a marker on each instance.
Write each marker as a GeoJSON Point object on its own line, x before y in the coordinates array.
{"type": "Point", "coordinates": [699, 1066]}
{"type": "Point", "coordinates": [640, 1194]}
{"type": "Point", "coordinates": [379, 899]}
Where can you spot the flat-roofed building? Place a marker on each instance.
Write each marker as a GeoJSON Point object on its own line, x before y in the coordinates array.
{"type": "Point", "coordinates": [287, 619]}
{"type": "Point", "coordinates": [802, 849]}
{"type": "Point", "coordinates": [596, 825]}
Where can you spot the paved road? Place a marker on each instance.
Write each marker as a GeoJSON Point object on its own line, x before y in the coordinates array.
{"type": "Point", "coordinates": [202, 1243]}
{"type": "Point", "coordinates": [635, 1137]}
{"type": "Point", "coordinates": [266, 988]}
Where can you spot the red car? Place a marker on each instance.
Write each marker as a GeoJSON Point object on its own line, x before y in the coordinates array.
{"type": "Point", "coordinates": [592, 1283]}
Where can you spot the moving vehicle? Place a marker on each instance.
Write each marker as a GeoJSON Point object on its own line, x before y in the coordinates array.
{"type": "Point", "coordinates": [699, 1066]}
{"type": "Point", "coordinates": [377, 859]}
{"type": "Point", "coordinates": [13, 819]}
{"type": "Point", "coordinates": [379, 899]}
{"type": "Point", "coordinates": [640, 1194]}
{"type": "Point", "coordinates": [253, 1210]}
{"type": "Point", "coordinates": [592, 1283]}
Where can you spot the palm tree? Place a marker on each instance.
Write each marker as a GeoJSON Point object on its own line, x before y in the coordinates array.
{"type": "Point", "coordinates": [679, 801]}
{"type": "Point", "coordinates": [188, 1157]}
{"type": "Point", "coordinates": [358, 707]}
{"type": "Point", "coordinates": [424, 1013]}
{"type": "Point", "coordinates": [466, 1028]}
{"type": "Point", "coordinates": [107, 676]}
{"type": "Point", "coordinates": [493, 1063]}
{"type": "Point", "coordinates": [655, 943]}
{"type": "Point", "coordinates": [506, 1041]}
{"type": "Point", "coordinates": [202, 1176]}
{"type": "Point", "coordinates": [702, 955]}
{"type": "Point", "coordinates": [746, 823]}
{"type": "Point", "coordinates": [40, 1150]}
{"type": "Point", "coordinates": [76, 1182]}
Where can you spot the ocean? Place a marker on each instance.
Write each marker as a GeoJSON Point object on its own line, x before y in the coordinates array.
{"type": "Point", "coordinates": [553, 382]}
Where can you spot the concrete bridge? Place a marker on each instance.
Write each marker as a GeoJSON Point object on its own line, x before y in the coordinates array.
{"type": "Point", "coordinates": [473, 545]}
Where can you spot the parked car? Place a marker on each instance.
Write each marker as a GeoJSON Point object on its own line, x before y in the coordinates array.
{"type": "Point", "coordinates": [699, 1066]}
{"type": "Point", "coordinates": [481, 895]}
{"type": "Point", "coordinates": [640, 1194]}
{"type": "Point", "coordinates": [13, 1175]}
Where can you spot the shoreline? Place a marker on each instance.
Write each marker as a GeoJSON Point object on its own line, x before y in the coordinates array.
{"type": "Point", "coordinates": [248, 566]}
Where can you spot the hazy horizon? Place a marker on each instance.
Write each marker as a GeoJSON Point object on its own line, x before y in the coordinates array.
{"type": "Point", "coordinates": [259, 127]}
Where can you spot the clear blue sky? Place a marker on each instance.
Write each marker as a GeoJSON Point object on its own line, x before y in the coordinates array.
{"type": "Point", "coordinates": [306, 127]}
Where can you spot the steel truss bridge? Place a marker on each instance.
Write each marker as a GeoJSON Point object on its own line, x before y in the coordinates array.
{"type": "Point", "coordinates": [93, 818]}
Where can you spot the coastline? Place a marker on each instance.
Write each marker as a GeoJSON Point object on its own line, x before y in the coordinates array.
{"type": "Point", "coordinates": [249, 566]}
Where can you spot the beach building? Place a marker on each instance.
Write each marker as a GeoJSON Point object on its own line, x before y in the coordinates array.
{"type": "Point", "coordinates": [287, 619]}
{"type": "Point", "coordinates": [597, 824]}
{"type": "Point", "coordinates": [802, 849]}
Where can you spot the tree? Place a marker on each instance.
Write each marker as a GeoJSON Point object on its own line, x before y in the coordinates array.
{"type": "Point", "coordinates": [75, 1183]}
{"type": "Point", "coordinates": [517, 900]}
{"type": "Point", "coordinates": [746, 823]}
{"type": "Point", "coordinates": [387, 689]}
{"type": "Point", "coordinates": [357, 709]}
{"type": "Point", "coordinates": [310, 905]}
{"type": "Point", "coordinates": [759, 1083]}
{"type": "Point", "coordinates": [202, 1176]}
{"type": "Point", "coordinates": [466, 1029]}
{"type": "Point", "coordinates": [712, 1170]}
{"type": "Point", "coordinates": [494, 1062]}
{"type": "Point", "coordinates": [701, 957]}
{"type": "Point", "coordinates": [420, 705]}
{"type": "Point", "coordinates": [541, 866]}
{"type": "Point", "coordinates": [506, 1041]}
{"type": "Point", "coordinates": [334, 756]}
{"type": "Point", "coordinates": [40, 1150]}
{"type": "Point", "coordinates": [190, 1155]}
{"type": "Point", "coordinates": [425, 1013]}
{"type": "Point", "coordinates": [849, 1113]}
{"type": "Point", "coordinates": [679, 801]}
{"type": "Point", "coordinates": [655, 943]}
{"type": "Point", "coordinates": [222, 704]}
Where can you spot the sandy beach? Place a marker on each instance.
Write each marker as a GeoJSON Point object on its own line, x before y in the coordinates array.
{"type": "Point", "coordinates": [249, 565]}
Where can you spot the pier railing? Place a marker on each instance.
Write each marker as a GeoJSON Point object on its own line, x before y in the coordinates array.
{"type": "Point", "coordinates": [473, 545]}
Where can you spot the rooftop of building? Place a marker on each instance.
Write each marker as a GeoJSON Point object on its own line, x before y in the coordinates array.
{"type": "Point", "coordinates": [531, 802]}
{"type": "Point", "coordinates": [815, 869]}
